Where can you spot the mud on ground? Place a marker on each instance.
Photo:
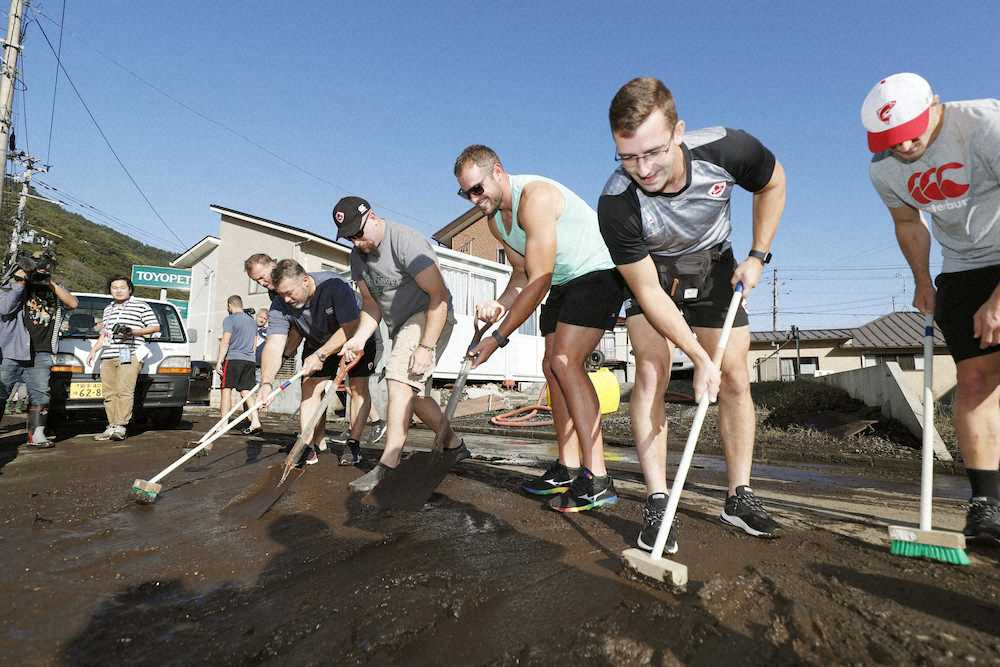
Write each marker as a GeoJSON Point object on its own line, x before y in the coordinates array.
{"type": "Point", "coordinates": [482, 575]}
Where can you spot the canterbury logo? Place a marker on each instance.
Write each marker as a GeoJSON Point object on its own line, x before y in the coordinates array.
{"type": "Point", "coordinates": [931, 185]}
{"type": "Point", "coordinates": [883, 113]}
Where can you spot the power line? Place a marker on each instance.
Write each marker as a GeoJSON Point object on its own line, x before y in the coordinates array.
{"type": "Point", "coordinates": [107, 142]}
{"type": "Point", "coordinates": [55, 86]}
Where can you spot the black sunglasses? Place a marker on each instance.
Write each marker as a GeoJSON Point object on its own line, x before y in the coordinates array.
{"type": "Point", "coordinates": [475, 191]}
{"type": "Point", "coordinates": [361, 231]}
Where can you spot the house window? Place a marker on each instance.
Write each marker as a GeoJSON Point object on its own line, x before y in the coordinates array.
{"type": "Point", "coordinates": [466, 247]}
{"type": "Point", "coordinates": [254, 288]}
{"type": "Point", "coordinates": [458, 284]}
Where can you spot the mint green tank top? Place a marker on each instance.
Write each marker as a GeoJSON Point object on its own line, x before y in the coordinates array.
{"type": "Point", "coordinates": [580, 248]}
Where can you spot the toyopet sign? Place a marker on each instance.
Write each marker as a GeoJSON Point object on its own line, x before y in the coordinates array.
{"type": "Point", "coordinates": [163, 277]}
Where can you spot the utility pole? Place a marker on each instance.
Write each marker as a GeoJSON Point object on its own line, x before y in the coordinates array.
{"type": "Point", "coordinates": [31, 166]}
{"type": "Point", "coordinates": [11, 52]}
{"type": "Point", "coordinates": [774, 299]}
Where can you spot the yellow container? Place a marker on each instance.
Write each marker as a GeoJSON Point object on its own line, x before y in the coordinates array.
{"type": "Point", "coordinates": [609, 392]}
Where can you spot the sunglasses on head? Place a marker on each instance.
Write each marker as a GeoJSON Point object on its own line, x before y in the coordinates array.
{"type": "Point", "coordinates": [475, 191]}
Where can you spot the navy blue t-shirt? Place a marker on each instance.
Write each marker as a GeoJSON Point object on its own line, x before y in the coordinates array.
{"type": "Point", "coordinates": [332, 304]}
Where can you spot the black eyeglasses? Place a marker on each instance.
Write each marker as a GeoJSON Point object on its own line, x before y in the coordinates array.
{"type": "Point", "coordinates": [475, 191]}
{"type": "Point", "coordinates": [663, 150]}
{"type": "Point", "coordinates": [361, 231]}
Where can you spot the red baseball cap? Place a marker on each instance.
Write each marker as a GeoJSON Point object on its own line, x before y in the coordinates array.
{"type": "Point", "coordinates": [896, 109]}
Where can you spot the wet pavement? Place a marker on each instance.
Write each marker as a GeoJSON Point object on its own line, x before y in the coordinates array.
{"type": "Point", "coordinates": [480, 575]}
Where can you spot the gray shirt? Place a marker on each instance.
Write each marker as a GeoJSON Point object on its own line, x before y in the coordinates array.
{"type": "Point", "coordinates": [390, 270]}
{"type": "Point", "coordinates": [242, 329]}
{"type": "Point", "coordinates": [956, 181]}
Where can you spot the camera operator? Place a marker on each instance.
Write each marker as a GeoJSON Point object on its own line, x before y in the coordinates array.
{"type": "Point", "coordinates": [124, 325]}
{"type": "Point", "coordinates": [31, 310]}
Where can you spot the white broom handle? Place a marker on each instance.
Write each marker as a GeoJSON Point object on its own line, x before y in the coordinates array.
{"type": "Point", "coordinates": [264, 401]}
{"type": "Point", "coordinates": [699, 418]}
{"type": "Point", "coordinates": [927, 449]}
{"type": "Point", "coordinates": [226, 416]}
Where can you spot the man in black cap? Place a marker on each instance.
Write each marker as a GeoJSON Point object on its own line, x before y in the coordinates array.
{"type": "Point", "coordinates": [396, 272]}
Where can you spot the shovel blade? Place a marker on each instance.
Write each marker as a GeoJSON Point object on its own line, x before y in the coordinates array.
{"type": "Point", "coordinates": [259, 497]}
{"type": "Point", "coordinates": [411, 484]}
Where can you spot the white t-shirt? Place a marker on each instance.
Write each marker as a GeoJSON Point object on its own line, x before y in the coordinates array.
{"type": "Point", "coordinates": [956, 181]}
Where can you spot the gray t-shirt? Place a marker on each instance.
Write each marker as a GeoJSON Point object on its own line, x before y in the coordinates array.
{"type": "Point", "coordinates": [956, 181]}
{"type": "Point", "coordinates": [242, 328]}
{"type": "Point", "coordinates": [390, 270]}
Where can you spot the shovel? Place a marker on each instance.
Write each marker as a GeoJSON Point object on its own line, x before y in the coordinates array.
{"type": "Point", "coordinates": [411, 483]}
{"type": "Point", "coordinates": [145, 492]}
{"type": "Point", "coordinates": [275, 482]}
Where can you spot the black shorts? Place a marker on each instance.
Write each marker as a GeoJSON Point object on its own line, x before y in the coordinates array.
{"type": "Point", "coordinates": [959, 296]}
{"type": "Point", "coordinates": [239, 375]}
{"type": "Point", "coordinates": [362, 369]}
{"type": "Point", "coordinates": [707, 305]}
{"type": "Point", "coordinates": [592, 300]}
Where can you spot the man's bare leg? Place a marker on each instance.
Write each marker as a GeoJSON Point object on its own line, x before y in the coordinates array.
{"type": "Point", "coordinates": [737, 419]}
{"type": "Point", "coordinates": [566, 438]}
{"type": "Point", "coordinates": [572, 345]}
{"type": "Point", "coordinates": [653, 360]}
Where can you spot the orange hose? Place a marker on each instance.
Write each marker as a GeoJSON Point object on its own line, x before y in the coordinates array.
{"type": "Point", "coordinates": [525, 415]}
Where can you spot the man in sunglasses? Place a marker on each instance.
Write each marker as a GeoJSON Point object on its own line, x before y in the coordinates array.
{"type": "Point", "coordinates": [554, 245]}
{"type": "Point", "coordinates": [396, 272]}
{"type": "Point", "coordinates": [944, 159]}
{"type": "Point", "coordinates": [31, 312]}
{"type": "Point", "coordinates": [665, 215]}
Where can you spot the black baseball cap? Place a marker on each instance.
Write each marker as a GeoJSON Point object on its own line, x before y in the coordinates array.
{"type": "Point", "coordinates": [349, 215]}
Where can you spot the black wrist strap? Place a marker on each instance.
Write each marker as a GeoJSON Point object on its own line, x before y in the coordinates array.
{"type": "Point", "coordinates": [500, 338]}
{"type": "Point", "coordinates": [764, 257]}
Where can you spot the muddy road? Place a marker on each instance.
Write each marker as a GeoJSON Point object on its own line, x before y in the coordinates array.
{"type": "Point", "coordinates": [481, 575]}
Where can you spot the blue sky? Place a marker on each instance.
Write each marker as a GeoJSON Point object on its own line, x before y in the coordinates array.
{"type": "Point", "coordinates": [378, 98]}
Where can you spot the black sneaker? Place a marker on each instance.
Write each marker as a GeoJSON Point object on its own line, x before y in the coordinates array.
{"type": "Point", "coordinates": [586, 493]}
{"type": "Point", "coordinates": [556, 479]}
{"type": "Point", "coordinates": [652, 517]}
{"type": "Point", "coordinates": [745, 511]}
{"type": "Point", "coordinates": [308, 457]}
{"type": "Point", "coordinates": [459, 454]}
{"type": "Point", "coordinates": [982, 522]}
{"type": "Point", "coordinates": [351, 456]}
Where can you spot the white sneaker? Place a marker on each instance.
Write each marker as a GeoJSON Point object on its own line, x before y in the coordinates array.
{"type": "Point", "coordinates": [119, 433]}
{"type": "Point", "coordinates": [106, 435]}
{"type": "Point", "coordinates": [376, 432]}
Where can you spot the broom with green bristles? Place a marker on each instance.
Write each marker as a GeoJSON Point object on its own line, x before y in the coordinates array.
{"type": "Point", "coordinates": [940, 545]}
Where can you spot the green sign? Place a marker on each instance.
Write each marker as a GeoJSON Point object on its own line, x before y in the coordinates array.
{"type": "Point", "coordinates": [163, 277]}
{"type": "Point", "coordinates": [182, 306]}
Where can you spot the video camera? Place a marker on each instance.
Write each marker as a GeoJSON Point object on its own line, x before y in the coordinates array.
{"type": "Point", "coordinates": [38, 265]}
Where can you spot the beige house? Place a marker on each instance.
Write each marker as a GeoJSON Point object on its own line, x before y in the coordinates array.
{"type": "Point", "coordinates": [898, 337]}
{"type": "Point", "coordinates": [216, 264]}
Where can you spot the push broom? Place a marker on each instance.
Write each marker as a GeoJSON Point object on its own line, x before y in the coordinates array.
{"type": "Point", "coordinates": [924, 542]}
{"type": "Point", "coordinates": [654, 565]}
{"type": "Point", "coordinates": [145, 492]}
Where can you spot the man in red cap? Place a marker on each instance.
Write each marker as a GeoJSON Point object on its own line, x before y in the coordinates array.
{"type": "Point", "coordinates": [944, 160]}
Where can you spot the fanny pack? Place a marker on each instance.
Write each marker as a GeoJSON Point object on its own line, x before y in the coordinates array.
{"type": "Point", "coordinates": [688, 278]}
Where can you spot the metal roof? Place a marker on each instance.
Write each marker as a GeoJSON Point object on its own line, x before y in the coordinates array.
{"type": "Point", "coordinates": [893, 331]}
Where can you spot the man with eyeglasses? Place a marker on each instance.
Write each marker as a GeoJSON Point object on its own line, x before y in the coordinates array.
{"type": "Point", "coordinates": [944, 159]}
{"type": "Point", "coordinates": [554, 245]}
{"type": "Point", "coordinates": [396, 272]}
{"type": "Point", "coordinates": [665, 215]}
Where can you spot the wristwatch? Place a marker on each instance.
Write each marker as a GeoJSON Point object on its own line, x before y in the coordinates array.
{"type": "Point", "coordinates": [764, 257]}
{"type": "Point", "coordinates": [500, 338]}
